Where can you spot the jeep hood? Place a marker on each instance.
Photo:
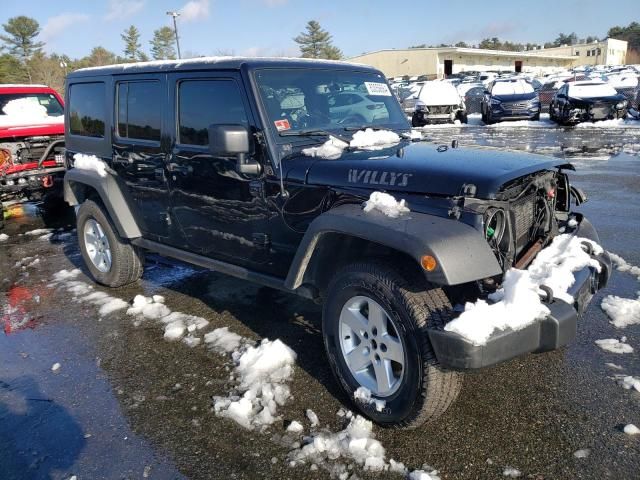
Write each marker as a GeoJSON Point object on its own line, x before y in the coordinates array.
{"type": "Point", "coordinates": [419, 167]}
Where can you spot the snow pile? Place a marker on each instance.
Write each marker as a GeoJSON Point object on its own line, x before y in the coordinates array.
{"type": "Point", "coordinates": [355, 442]}
{"type": "Point", "coordinates": [222, 340]}
{"type": "Point", "coordinates": [25, 108]}
{"type": "Point", "coordinates": [363, 395]}
{"type": "Point", "coordinates": [55, 367]}
{"type": "Point", "coordinates": [4, 237]}
{"type": "Point", "coordinates": [295, 427]}
{"type": "Point", "coordinates": [90, 162]}
{"type": "Point", "coordinates": [582, 453]}
{"type": "Point", "coordinates": [368, 139]}
{"type": "Point", "coordinates": [386, 204]}
{"type": "Point", "coordinates": [629, 382]}
{"type": "Point", "coordinates": [631, 429]}
{"type": "Point", "coordinates": [37, 232]}
{"type": "Point", "coordinates": [334, 451]}
{"type": "Point", "coordinates": [330, 150]}
{"type": "Point", "coordinates": [517, 303]}
{"type": "Point", "coordinates": [262, 373]}
{"type": "Point", "coordinates": [511, 472]}
{"type": "Point", "coordinates": [614, 346]}
{"type": "Point", "coordinates": [313, 418]}
{"type": "Point", "coordinates": [613, 123]}
{"type": "Point", "coordinates": [622, 311]}
{"type": "Point", "coordinates": [176, 324]}
{"type": "Point", "coordinates": [371, 139]}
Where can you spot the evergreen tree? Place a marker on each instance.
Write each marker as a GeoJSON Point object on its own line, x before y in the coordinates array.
{"type": "Point", "coordinates": [20, 39]}
{"type": "Point", "coordinates": [316, 43]}
{"type": "Point", "coordinates": [162, 44]}
{"type": "Point", "coordinates": [131, 37]}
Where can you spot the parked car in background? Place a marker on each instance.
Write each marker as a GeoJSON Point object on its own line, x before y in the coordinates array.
{"type": "Point", "coordinates": [354, 107]}
{"type": "Point", "coordinates": [510, 99]}
{"type": "Point", "coordinates": [438, 102]}
{"type": "Point", "coordinates": [473, 99]}
{"type": "Point", "coordinates": [587, 101]}
{"type": "Point", "coordinates": [31, 142]}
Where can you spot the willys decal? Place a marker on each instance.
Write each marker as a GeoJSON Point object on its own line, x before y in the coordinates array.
{"type": "Point", "coordinates": [376, 177]}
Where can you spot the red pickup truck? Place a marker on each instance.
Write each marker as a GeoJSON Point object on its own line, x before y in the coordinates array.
{"type": "Point", "coordinates": [31, 142]}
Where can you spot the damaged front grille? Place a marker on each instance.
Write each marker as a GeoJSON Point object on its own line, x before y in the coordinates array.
{"type": "Point", "coordinates": [440, 109]}
{"type": "Point", "coordinates": [523, 211]}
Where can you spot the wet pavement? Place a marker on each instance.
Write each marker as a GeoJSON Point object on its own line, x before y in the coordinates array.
{"type": "Point", "coordinates": [125, 403]}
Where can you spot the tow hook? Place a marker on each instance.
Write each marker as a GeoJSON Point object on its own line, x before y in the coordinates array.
{"type": "Point", "coordinates": [47, 181]}
{"type": "Point", "coordinates": [548, 298]}
{"type": "Point", "coordinates": [588, 248]}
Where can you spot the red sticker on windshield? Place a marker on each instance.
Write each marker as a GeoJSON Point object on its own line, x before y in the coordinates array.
{"type": "Point", "coordinates": [282, 124]}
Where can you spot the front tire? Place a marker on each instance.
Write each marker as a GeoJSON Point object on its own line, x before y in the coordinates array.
{"type": "Point", "coordinates": [374, 325]}
{"type": "Point", "coordinates": [110, 259]}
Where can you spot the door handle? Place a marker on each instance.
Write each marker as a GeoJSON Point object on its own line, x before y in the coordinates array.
{"type": "Point", "coordinates": [183, 169]}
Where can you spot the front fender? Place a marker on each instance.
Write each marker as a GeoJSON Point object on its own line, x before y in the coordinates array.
{"type": "Point", "coordinates": [461, 253]}
{"type": "Point", "coordinates": [110, 193]}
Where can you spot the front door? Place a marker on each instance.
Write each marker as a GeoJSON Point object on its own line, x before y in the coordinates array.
{"type": "Point", "coordinates": [221, 213]}
{"type": "Point", "coordinates": [138, 156]}
{"type": "Point", "coordinates": [448, 68]}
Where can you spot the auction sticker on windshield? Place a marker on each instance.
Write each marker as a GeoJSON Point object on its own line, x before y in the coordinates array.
{"type": "Point", "coordinates": [380, 89]}
{"type": "Point", "coordinates": [282, 125]}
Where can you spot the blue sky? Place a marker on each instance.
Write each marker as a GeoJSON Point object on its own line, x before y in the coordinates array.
{"type": "Point", "coordinates": [266, 27]}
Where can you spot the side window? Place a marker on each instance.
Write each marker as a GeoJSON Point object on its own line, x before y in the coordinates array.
{"type": "Point", "coordinates": [206, 102]}
{"type": "Point", "coordinates": [87, 109]}
{"type": "Point", "coordinates": [139, 112]}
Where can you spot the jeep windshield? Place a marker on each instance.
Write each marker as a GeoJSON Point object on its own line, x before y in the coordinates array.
{"type": "Point", "coordinates": [323, 101]}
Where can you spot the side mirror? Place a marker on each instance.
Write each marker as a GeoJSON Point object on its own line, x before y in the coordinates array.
{"type": "Point", "coordinates": [233, 140]}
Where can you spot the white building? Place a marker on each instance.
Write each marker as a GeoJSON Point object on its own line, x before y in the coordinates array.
{"type": "Point", "coordinates": [439, 62]}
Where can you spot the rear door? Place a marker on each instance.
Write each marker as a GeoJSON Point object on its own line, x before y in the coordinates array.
{"type": "Point", "coordinates": [222, 213]}
{"type": "Point", "coordinates": [138, 154]}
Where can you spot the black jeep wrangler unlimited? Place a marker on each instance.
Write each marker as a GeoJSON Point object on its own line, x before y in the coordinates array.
{"type": "Point", "coordinates": [207, 161]}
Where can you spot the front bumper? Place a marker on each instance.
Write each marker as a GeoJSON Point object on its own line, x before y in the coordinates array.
{"type": "Point", "coordinates": [559, 328]}
{"type": "Point", "coordinates": [506, 114]}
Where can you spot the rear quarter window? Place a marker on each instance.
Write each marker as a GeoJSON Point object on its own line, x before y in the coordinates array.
{"type": "Point", "coordinates": [87, 112]}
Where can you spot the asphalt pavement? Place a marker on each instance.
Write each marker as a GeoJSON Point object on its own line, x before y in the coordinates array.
{"type": "Point", "coordinates": [125, 403]}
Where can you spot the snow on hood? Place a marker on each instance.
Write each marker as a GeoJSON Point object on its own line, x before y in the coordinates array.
{"type": "Point", "coordinates": [368, 139]}
{"type": "Point", "coordinates": [26, 111]}
{"type": "Point", "coordinates": [439, 93]}
{"type": "Point", "coordinates": [517, 303]}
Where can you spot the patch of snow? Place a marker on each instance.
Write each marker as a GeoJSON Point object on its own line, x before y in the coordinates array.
{"type": "Point", "coordinates": [330, 150]}
{"type": "Point", "coordinates": [511, 472]}
{"type": "Point", "coordinates": [38, 232]}
{"type": "Point", "coordinates": [629, 382]}
{"type": "Point", "coordinates": [422, 475]}
{"type": "Point", "coordinates": [66, 274]}
{"type": "Point", "coordinates": [614, 346]}
{"type": "Point", "coordinates": [582, 453]}
{"type": "Point", "coordinates": [313, 418]}
{"type": "Point", "coordinates": [386, 204]}
{"type": "Point", "coordinates": [613, 123]}
{"type": "Point", "coordinates": [295, 427]}
{"type": "Point", "coordinates": [91, 163]}
{"type": "Point", "coordinates": [517, 304]}
{"type": "Point", "coordinates": [622, 311]}
{"type": "Point", "coordinates": [148, 308]}
{"type": "Point", "coordinates": [363, 395]}
{"type": "Point", "coordinates": [222, 340]}
{"type": "Point", "coordinates": [4, 237]}
{"type": "Point", "coordinates": [368, 139]}
{"type": "Point", "coordinates": [27, 111]}
{"type": "Point", "coordinates": [55, 367]}
{"type": "Point", "coordinates": [112, 305]}
{"type": "Point", "coordinates": [355, 442]}
{"type": "Point", "coordinates": [262, 372]}
{"type": "Point", "coordinates": [631, 429]}
{"type": "Point", "coordinates": [613, 366]}
{"type": "Point", "coordinates": [371, 139]}
{"type": "Point", "coordinates": [623, 266]}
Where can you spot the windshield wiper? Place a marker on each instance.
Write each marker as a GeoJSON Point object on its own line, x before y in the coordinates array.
{"type": "Point", "coordinates": [313, 133]}
{"type": "Point", "coordinates": [363, 127]}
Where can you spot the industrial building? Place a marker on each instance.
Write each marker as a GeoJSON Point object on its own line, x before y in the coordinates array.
{"type": "Point", "coordinates": [440, 62]}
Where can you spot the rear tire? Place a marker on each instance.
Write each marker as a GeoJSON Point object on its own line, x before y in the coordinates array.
{"type": "Point", "coordinates": [111, 260]}
{"type": "Point", "coordinates": [420, 390]}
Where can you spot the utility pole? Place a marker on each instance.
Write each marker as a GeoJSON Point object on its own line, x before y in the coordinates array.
{"type": "Point", "coordinates": [175, 29]}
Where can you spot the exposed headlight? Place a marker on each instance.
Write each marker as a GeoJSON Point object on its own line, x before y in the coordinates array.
{"type": "Point", "coordinates": [495, 101]}
{"type": "Point", "coordinates": [421, 107]}
{"type": "Point", "coordinates": [621, 105]}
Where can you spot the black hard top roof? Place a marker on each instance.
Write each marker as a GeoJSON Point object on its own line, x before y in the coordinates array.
{"type": "Point", "coordinates": [215, 63]}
